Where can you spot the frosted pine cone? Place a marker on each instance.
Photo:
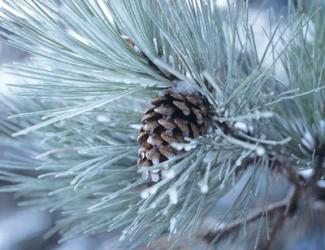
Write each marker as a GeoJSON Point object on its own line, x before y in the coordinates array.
{"type": "Point", "coordinates": [170, 118]}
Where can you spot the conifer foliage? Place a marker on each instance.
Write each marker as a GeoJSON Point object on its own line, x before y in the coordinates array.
{"type": "Point", "coordinates": [222, 119]}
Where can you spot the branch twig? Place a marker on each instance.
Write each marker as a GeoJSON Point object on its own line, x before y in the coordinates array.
{"type": "Point", "coordinates": [274, 207]}
{"type": "Point", "coordinates": [291, 206]}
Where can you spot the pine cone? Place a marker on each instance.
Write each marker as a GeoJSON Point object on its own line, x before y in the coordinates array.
{"type": "Point", "coordinates": [170, 118]}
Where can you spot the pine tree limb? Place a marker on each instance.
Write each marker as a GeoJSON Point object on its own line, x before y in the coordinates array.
{"type": "Point", "coordinates": [284, 206]}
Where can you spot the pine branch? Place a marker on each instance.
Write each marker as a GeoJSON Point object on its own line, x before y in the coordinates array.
{"type": "Point", "coordinates": [83, 88]}
{"type": "Point", "coordinates": [286, 207]}
{"type": "Point", "coordinates": [233, 226]}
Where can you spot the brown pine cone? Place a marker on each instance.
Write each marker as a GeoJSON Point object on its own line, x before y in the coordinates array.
{"type": "Point", "coordinates": [170, 118]}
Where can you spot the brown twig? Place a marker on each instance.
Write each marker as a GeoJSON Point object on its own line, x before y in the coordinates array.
{"type": "Point", "coordinates": [272, 208]}
{"type": "Point", "coordinates": [287, 206]}
{"type": "Point", "coordinates": [291, 206]}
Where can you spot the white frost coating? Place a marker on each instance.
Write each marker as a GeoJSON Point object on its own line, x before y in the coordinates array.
{"type": "Point", "coordinates": [155, 177]}
{"type": "Point", "coordinates": [78, 37]}
{"type": "Point", "coordinates": [260, 151]}
{"type": "Point", "coordinates": [153, 190]}
{"type": "Point", "coordinates": [308, 140]}
{"type": "Point", "coordinates": [8, 8]}
{"type": "Point", "coordinates": [321, 183]}
{"type": "Point", "coordinates": [103, 119]}
{"type": "Point", "coordinates": [241, 126]}
{"type": "Point", "coordinates": [145, 194]}
{"type": "Point", "coordinates": [184, 146]}
{"type": "Point", "coordinates": [172, 225]}
{"type": "Point", "coordinates": [173, 197]}
{"type": "Point", "coordinates": [306, 173]}
{"type": "Point", "coordinates": [149, 191]}
{"type": "Point", "coordinates": [190, 146]}
{"type": "Point", "coordinates": [204, 188]}
{"type": "Point", "coordinates": [153, 205]}
{"type": "Point", "coordinates": [135, 126]}
{"type": "Point", "coordinates": [238, 162]}
{"type": "Point", "coordinates": [177, 146]}
{"type": "Point", "coordinates": [169, 174]}
{"type": "Point", "coordinates": [155, 44]}
{"type": "Point", "coordinates": [184, 87]}
{"type": "Point", "coordinates": [222, 3]}
{"type": "Point", "coordinates": [103, 6]}
{"type": "Point", "coordinates": [220, 226]}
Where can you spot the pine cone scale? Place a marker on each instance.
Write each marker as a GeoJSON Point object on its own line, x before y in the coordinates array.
{"type": "Point", "coordinates": [170, 118]}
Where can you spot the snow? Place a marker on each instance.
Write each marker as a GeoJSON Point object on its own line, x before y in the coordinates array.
{"type": "Point", "coordinates": [173, 197]}
{"type": "Point", "coordinates": [103, 119]}
{"type": "Point", "coordinates": [184, 87]}
{"type": "Point", "coordinates": [222, 4]}
{"type": "Point", "coordinates": [308, 141]}
{"type": "Point", "coordinates": [169, 174]}
{"type": "Point", "coordinates": [172, 226]}
{"type": "Point", "coordinates": [184, 146]}
{"type": "Point", "coordinates": [204, 188]}
{"type": "Point", "coordinates": [241, 126]}
{"type": "Point", "coordinates": [136, 126]}
{"type": "Point", "coordinates": [79, 37]}
{"type": "Point", "coordinates": [260, 151]}
{"type": "Point", "coordinates": [144, 194]}
{"type": "Point", "coordinates": [321, 183]}
{"type": "Point", "coordinates": [238, 162]}
{"type": "Point", "coordinates": [8, 8]}
{"type": "Point", "coordinates": [306, 173]}
{"type": "Point", "coordinates": [155, 177]}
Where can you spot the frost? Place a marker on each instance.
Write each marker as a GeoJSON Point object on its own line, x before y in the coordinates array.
{"type": "Point", "coordinates": [135, 126]}
{"type": "Point", "coordinates": [153, 190]}
{"type": "Point", "coordinates": [155, 177]}
{"type": "Point", "coordinates": [103, 6]}
{"type": "Point", "coordinates": [238, 162]}
{"type": "Point", "coordinates": [103, 119]}
{"type": "Point", "coordinates": [60, 124]}
{"type": "Point", "coordinates": [241, 126]}
{"type": "Point", "coordinates": [260, 151]}
{"type": "Point", "coordinates": [321, 183]}
{"type": "Point", "coordinates": [222, 186]}
{"type": "Point", "coordinates": [169, 174]}
{"type": "Point", "coordinates": [144, 194]}
{"type": "Point", "coordinates": [12, 10]}
{"type": "Point", "coordinates": [172, 225]}
{"type": "Point", "coordinates": [204, 188]}
{"type": "Point", "coordinates": [308, 140]}
{"type": "Point", "coordinates": [184, 87]}
{"type": "Point", "coordinates": [153, 205]}
{"type": "Point", "coordinates": [222, 4]}
{"type": "Point", "coordinates": [220, 226]}
{"type": "Point", "coordinates": [184, 146]}
{"type": "Point", "coordinates": [306, 173]}
{"type": "Point", "coordinates": [155, 44]}
{"type": "Point", "coordinates": [173, 197]}
{"type": "Point", "coordinates": [79, 37]}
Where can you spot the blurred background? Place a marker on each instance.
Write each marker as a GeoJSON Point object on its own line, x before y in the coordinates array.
{"type": "Point", "coordinates": [23, 228]}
